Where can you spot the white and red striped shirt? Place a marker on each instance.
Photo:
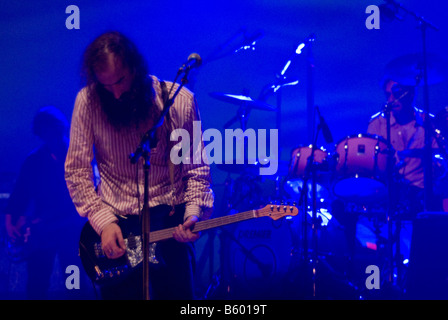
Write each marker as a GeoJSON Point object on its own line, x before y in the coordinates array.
{"type": "Point", "coordinates": [92, 136]}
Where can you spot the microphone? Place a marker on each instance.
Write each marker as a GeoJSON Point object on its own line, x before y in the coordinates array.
{"type": "Point", "coordinates": [194, 61]}
{"type": "Point", "coordinates": [388, 106]}
{"type": "Point", "coordinates": [324, 127]}
{"type": "Point", "coordinates": [390, 10]}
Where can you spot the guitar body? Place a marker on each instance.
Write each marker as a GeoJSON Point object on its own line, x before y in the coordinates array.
{"type": "Point", "coordinates": [101, 269]}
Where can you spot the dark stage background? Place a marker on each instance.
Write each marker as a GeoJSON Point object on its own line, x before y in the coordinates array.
{"type": "Point", "coordinates": [40, 62]}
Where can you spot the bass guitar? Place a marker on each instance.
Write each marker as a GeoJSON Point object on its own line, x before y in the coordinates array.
{"type": "Point", "coordinates": [101, 269]}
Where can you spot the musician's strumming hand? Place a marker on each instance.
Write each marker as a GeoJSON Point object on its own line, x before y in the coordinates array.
{"type": "Point", "coordinates": [112, 241]}
{"type": "Point", "coordinates": [183, 233]}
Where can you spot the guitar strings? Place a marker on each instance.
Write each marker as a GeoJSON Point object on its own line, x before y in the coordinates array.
{"type": "Point", "coordinates": [203, 225]}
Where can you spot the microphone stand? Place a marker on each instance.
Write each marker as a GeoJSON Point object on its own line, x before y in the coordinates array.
{"type": "Point", "coordinates": [427, 160]}
{"type": "Point", "coordinates": [307, 43]}
{"type": "Point", "coordinates": [314, 221]}
{"type": "Point", "coordinates": [311, 171]}
{"type": "Point", "coordinates": [390, 196]}
{"type": "Point", "coordinates": [427, 157]}
{"type": "Point", "coordinates": [149, 141]}
{"type": "Point", "coordinates": [277, 88]}
{"type": "Point", "coordinates": [280, 82]}
{"type": "Point", "coordinates": [389, 181]}
{"type": "Point", "coordinates": [311, 123]}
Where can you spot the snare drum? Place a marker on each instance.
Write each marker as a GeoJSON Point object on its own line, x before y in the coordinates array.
{"type": "Point", "coordinates": [361, 168]}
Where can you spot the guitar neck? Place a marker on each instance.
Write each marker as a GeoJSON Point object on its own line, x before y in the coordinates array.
{"type": "Point", "coordinates": [165, 234]}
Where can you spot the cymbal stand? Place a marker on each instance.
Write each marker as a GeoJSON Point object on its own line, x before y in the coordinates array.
{"type": "Point", "coordinates": [242, 114]}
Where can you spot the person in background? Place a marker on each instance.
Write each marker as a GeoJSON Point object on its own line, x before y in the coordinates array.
{"type": "Point", "coordinates": [407, 137]}
{"type": "Point", "coordinates": [40, 215]}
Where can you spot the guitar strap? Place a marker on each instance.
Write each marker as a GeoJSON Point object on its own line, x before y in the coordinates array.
{"type": "Point", "coordinates": [170, 164]}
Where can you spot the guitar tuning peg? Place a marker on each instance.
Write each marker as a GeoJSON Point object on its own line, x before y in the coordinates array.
{"type": "Point", "coordinates": [293, 207]}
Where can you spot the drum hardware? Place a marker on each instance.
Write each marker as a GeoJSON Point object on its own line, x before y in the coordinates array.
{"type": "Point", "coordinates": [243, 191]}
{"type": "Point", "coordinates": [246, 104]}
{"type": "Point", "coordinates": [294, 184]}
{"type": "Point", "coordinates": [310, 174]}
{"type": "Point", "coordinates": [299, 160]}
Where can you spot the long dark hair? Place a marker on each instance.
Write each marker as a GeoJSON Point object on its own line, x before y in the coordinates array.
{"type": "Point", "coordinates": [134, 106]}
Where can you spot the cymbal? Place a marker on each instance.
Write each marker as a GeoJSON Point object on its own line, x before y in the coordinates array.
{"type": "Point", "coordinates": [239, 99]}
{"type": "Point", "coordinates": [408, 69]}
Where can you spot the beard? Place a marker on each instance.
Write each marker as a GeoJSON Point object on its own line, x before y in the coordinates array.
{"type": "Point", "coordinates": [130, 109]}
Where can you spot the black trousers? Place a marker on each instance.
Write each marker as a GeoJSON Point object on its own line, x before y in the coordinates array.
{"type": "Point", "coordinates": [172, 277]}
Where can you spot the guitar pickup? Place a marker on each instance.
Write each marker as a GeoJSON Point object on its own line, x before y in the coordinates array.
{"type": "Point", "coordinates": [131, 242]}
{"type": "Point", "coordinates": [99, 253]}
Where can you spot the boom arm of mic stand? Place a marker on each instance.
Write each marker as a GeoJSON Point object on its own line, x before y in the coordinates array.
{"type": "Point", "coordinates": [149, 137]}
{"type": "Point", "coordinates": [419, 18]}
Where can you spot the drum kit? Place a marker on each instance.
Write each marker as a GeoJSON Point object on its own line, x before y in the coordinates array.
{"type": "Point", "coordinates": [356, 176]}
{"type": "Point", "coordinates": [335, 192]}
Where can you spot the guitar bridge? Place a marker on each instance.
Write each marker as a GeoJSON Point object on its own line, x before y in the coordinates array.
{"type": "Point", "coordinates": [99, 253]}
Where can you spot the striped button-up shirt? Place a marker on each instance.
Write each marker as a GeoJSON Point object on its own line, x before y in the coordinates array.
{"type": "Point", "coordinates": [406, 137]}
{"type": "Point", "coordinates": [121, 186]}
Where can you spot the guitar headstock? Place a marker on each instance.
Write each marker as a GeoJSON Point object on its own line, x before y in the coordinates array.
{"type": "Point", "coordinates": [277, 211]}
